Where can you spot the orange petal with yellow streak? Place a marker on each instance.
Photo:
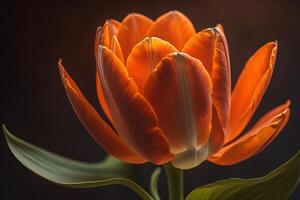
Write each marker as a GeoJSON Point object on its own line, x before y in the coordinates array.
{"type": "Point", "coordinates": [250, 88]}
{"type": "Point", "coordinates": [95, 125]}
{"type": "Point", "coordinates": [255, 140]}
{"type": "Point", "coordinates": [210, 47]}
{"type": "Point", "coordinates": [173, 27]}
{"type": "Point", "coordinates": [179, 89]}
{"type": "Point", "coordinates": [131, 114]}
{"type": "Point", "coordinates": [132, 30]}
{"type": "Point", "coordinates": [144, 57]}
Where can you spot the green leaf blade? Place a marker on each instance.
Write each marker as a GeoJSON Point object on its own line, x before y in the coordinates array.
{"type": "Point", "coordinates": [277, 185]}
{"type": "Point", "coordinates": [71, 173]}
{"type": "Point", "coordinates": [63, 170]}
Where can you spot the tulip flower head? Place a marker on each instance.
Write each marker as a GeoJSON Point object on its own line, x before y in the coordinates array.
{"type": "Point", "coordinates": [166, 90]}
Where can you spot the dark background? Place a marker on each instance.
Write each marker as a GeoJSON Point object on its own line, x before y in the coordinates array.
{"type": "Point", "coordinates": [34, 105]}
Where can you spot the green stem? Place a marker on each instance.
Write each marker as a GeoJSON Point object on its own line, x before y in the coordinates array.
{"type": "Point", "coordinates": [175, 182]}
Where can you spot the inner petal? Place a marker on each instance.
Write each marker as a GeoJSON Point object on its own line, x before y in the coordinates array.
{"type": "Point", "coordinates": [132, 30]}
{"type": "Point", "coordinates": [110, 29]}
{"type": "Point", "coordinates": [179, 89]}
{"type": "Point", "coordinates": [173, 27]}
{"type": "Point", "coordinates": [144, 58]}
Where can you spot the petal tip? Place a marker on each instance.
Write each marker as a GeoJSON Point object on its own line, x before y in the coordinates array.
{"type": "Point", "coordinates": [175, 12]}
{"type": "Point", "coordinates": [63, 73]}
{"type": "Point", "coordinates": [288, 102]}
{"type": "Point", "coordinates": [220, 27]}
{"type": "Point", "coordinates": [99, 28]}
{"type": "Point", "coordinates": [273, 44]}
{"type": "Point", "coordinates": [61, 67]}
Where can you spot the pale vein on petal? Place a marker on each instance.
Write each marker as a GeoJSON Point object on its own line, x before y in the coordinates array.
{"type": "Point", "coordinates": [186, 103]}
{"type": "Point", "coordinates": [117, 119]}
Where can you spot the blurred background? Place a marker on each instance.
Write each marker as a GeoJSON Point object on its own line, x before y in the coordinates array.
{"type": "Point", "coordinates": [35, 107]}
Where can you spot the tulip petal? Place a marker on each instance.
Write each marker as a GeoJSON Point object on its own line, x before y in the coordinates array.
{"type": "Point", "coordinates": [210, 47]}
{"type": "Point", "coordinates": [110, 29]}
{"type": "Point", "coordinates": [217, 135]}
{"type": "Point", "coordinates": [116, 48]}
{"type": "Point", "coordinates": [220, 27]}
{"type": "Point", "coordinates": [132, 115]}
{"type": "Point", "coordinates": [179, 89]}
{"type": "Point", "coordinates": [100, 96]}
{"type": "Point", "coordinates": [104, 35]}
{"type": "Point", "coordinates": [133, 29]}
{"type": "Point", "coordinates": [108, 35]}
{"type": "Point", "coordinates": [259, 137]}
{"type": "Point", "coordinates": [173, 27]}
{"type": "Point", "coordinates": [250, 88]}
{"type": "Point", "coordinates": [98, 36]}
{"type": "Point", "coordinates": [144, 57]}
{"type": "Point", "coordinates": [201, 46]}
{"type": "Point", "coordinates": [97, 128]}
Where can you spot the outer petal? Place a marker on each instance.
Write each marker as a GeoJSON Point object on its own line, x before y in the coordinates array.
{"type": "Point", "coordinates": [98, 84]}
{"type": "Point", "coordinates": [144, 58]}
{"type": "Point", "coordinates": [262, 134]}
{"type": "Point", "coordinates": [179, 89]}
{"type": "Point", "coordinates": [98, 36]}
{"type": "Point", "coordinates": [132, 115]}
{"type": "Point", "coordinates": [217, 135]}
{"type": "Point", "coordinates": [133, 29]}
{"type": "Point", "coordinates": [250, 88]}
{"type": "Point", "coordinates": [97, 128]}
{"type": "Point", "coordinates": [173, 27]}
{"type": "Point", "coordinates": [210, 47]}
{"type": "Point", "coordinates": [106, 36]}
{"type": "Point", "coordinates": [100, 96]}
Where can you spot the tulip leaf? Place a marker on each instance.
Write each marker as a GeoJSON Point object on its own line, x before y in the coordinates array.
{"type": "Point", "coordinates": [71, 173]}
{"type": "Point", "coordinates": [154, 182]}
{"type": "Point", "coordinates": [277, 185]}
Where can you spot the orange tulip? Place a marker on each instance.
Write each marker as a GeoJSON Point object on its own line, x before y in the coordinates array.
{"type": "Point", "coordinates": [167, 92]}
